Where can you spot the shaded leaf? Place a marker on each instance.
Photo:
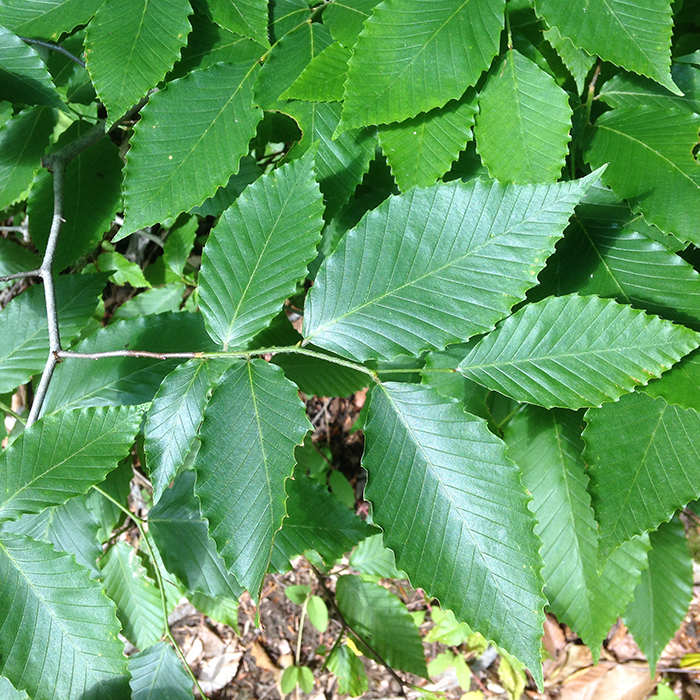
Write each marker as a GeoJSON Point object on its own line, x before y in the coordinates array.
{"type": "Point", "coordinates": [420, 150]}
{"type": "Point", "coordinates": [59, 631]}
{"type": "Point", "coordinates": [381, 620]}
{"type": "Point", "coordinates": [258, 251]}
{"type": "Point", "coordinates": [644, 464]}
{"type": "Point", "coordinates": [184, 543]}
{"type": "Point", "coordinates": [158, 673]}
{"type": "Point", "coordinates": [317, 377]}
{"type": "Point", "coordinates": [151, 301]}
{"type": "Point", "coordinates": [402, 47]}
{"type": "Point", "coordinates": [455, 513]}
{"type": "Point", "coordinates": [251, 426]}
{"type": "Point", "coordinates": [522, 130]}
{"type": "Point", "coordinates": [15, 258]}
{"type": "Point", "coordinates": [650, 156]}
{"type": "Point", "coordinates": [575, 352]}
{"type": "Point", "coordinates": [432, 281]}
{"type": "Point", "coordinates": [247, 17]}
{"type": "Point", "coordinates": [189, 140]}
{"type": "Point", "coordinates": [323, 78]}
{"type": "Point", "coordinates": [46, 18]}
{"type": "Point", "coordinates": [138, 601]}
{"type": "Point", "coordinates": [662, 597]}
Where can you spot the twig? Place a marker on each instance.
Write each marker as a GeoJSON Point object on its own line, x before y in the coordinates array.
{"type": "Point", "coordinates": [331, 599]}
{"type": "Point", "coordinates": [54, 47]}
{"type": "Point", "coordinates": [20, 275]}
{"type": "Point", "coordinates": [13, 229]}
{"type": "Point", "coordinates": [6, 409]}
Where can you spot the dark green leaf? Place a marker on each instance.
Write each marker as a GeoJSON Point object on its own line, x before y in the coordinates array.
{"type": "Point", "coordinates": [46, 18]}
{"type": "Point", "coordinates": [286, 15]}
{"type": "Point", "coordinates": [455, 513]}
{"type": "Point", "coordinates": [117, 486]}
{"type": "Point", "coordinates": [575, 352]}
{"type": "Point", "coordinates": [59, 631]}
{"type": "Point", "coordinates": [158, 673]}
{"type": "Point", "coordinates": [432, 281]}
{"type": "Point", "coordinates": [381, 620]}
{"type": "Point", "coordinates": [15, 258]}
{"type": "Point", "coordinates": [251, 426]}
{"type": "Point", "coordinates": [317, 377]}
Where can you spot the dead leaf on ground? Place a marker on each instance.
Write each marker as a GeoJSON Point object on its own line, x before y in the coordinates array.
{"type": "Point", "coordinates": [624, 647]}
{"type": "Point", "coordinates": [577, 657]}
{"type": "Point", "coordinates": [582, 684]}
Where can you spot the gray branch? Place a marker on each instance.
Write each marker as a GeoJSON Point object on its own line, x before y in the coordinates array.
{"type": "Point", "coordinates": [54, 47]}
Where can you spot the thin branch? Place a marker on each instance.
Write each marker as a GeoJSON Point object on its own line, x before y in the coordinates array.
{"type": "Point", "coordinates": [13, 229]}
{"type": "Point", "coordinates": [20, 275]}
{"type": "Point", "coordinates": [54, 47]}
{"type": "Point", "coordinates": [6, 409]}
{"type": "Point", "coordinates": [331, 599]}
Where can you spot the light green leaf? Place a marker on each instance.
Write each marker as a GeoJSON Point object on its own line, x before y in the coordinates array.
{"type": "Point", "coordinates": [258, 251]}
{"type": "Point", "coordinates": [446, 629]}
{"type": "Point", "coordinates": [223, 610]}
{"type": "Point", "coordinates": [644, 464]}
{"type": "Point", "coordinates": [432, 281]}
{"type": "Point", "coordinates": [576, 60]}
{"type": "Point", "coordinates": [662, 597]}
{"type": "Point", "coordinates": [455, 513]}
{"type": "Point", "coordinates": [24, 78]}
{"type": "Point", "coordinates": [131, 45]}
{"type": "Point", "coordinates": [372, 558]}
{"type": "Point", "coordinates": [121, 381]}
{"type": "Point", "coordinates": [24, 334]}
{"type": "Point", "coordinates": [345, 19]}
{"type": "Point", "coordinates": [341, 162]}
{"type": "Point", "coordinates": [287, 61]}
{"type": "Point", "coordinates": [318, 613]}
{"type": "Point", "coordinates": [158, 673]}
{"type": "Point", "coordinates": [59, 631]}
{"type": "Point", "coordinates": [92, 196]}
{"type": "Point", "coordinates": [576, 352]}
{"type": "Point", "coordinates": [189, 140]}
{"type": "Point", "coordinates": [70, 528]}
{"type": "Point", "coordinates": [182, 539]}
{"type": "Point", "coordinates": [123, 271]}
{"type": "Point", "coordinates": [379, 618]}
{"type": "Point", "coordinates": [420, 150]}
{"type": "Point", "coordinates": [635, 36]}
{"type": "Point", "coordinates": [680, 385]}
{"type": "Point", "coordinates": [23, 140]}
{"type": "Point", "coordinates": [151, 301]}
{"type": "Point", "coordinates": [138, 601]}
{"type": "Point", "coordinates": [289, 679]}
{"type": "Point", "coordinates": [297, 594]}
{"type": "Point", "coordinates": [46, 18]}
{"type": "Point", "coordinates": [247, 17]}
{"type": "Point", "coordinates": [63, 456]}
{"type": "Point", "coordinates": [323, 78]}
{"type": "Point", "coordinates": [316, 520]}
{"type": "Point", "coordinates": [251, 426]}
{"type": "Point", "coordinates": [8, 692]}
{"type": "Point", "coordinates": [352, 679]}
{"type": "Point", "coordinates": [522, 131]}
{"type": "Point", "coordinates": [651, 163]}
{"type": "Point", "coordinates": [172, 422]}
{"type": "Point", "coordinates": [405, 43]}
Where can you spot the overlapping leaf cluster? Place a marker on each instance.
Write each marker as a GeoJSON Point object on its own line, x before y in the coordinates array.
{"type": "Point", "coordinates": [484, 210]}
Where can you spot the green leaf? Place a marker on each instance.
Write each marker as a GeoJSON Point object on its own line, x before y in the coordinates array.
{"type": "Point", "coordinates": [455, 513]}
{"type": "Point", "coordinates": [345, 20]}
{"type": "Point", "coordinates": [323, 78]}
{"type": "Point", "coordinates": [578, 62]}
{"type": "Point", "coordinates": [24, 334]}
{"type": "Point", "coordinates": [522, 131]}
{"type": "Point", "coordinates": [287, 61]}
{"type": "Point", "coordinates": [15, 258]}
{"type": "Point", "coordinates": [372, 558]}
{"type": "Point", "coordinates": [576, 352]}
{"type": "Point", "coordinates": [305, 679]}
{"type": "Point", "coordinates": [447, 630]}
{"type": "Point", "coordinates": [662, 597]}
{"type": "Point", "coordinates": [635, 36]}
{"type": "Point", "coordinates": [138, 601]}
{"type": "Point", "coordinates": [92, 196]}
{"type": "Point", "coordinates": [405, 43]}
{"type": "Point", "coordinates": [316, 520]}
{"type": "Point", "coordinates": [340, 163]}
{"type": "Point", "coordinates": [289, 679]}
{"type": "Point", "coordinates": [318, 613]}
{"type": "Point", "coordinates": [70, 528]}
{"type": "Point", "coordinates": [117, 485]}
{"type": "Point", "coordinates": [382, 621]}
{"type": "Point", "coordinates": [23, 140]}
{"type": "Point", "coordinates": [681, 384]}
{"type": "Point", "coordinates": [297, 594]}
{"type": "Point", "coordinates": [59, 631]}
{"type": "Point", "coordinates": [183, 540]}
{"type": "Point", "coordinates": [158, 673]}
{"type": "Point", "coordinates": [251, 426]}
{"type": "Point", "coordinates": [172, 422]}
{"type": "Point", "coordinates": [258, 251]}
{"type": "Point", "coordinates": [151, 301]}
{"type": "Point", "coordinates": [286, 15]}
{"type": "Point", "coordinates": [24, 78]}
{"type": "Point", "coordinates": [8, 692]}
{"type": "Point", "coordinates": [123, 271]}
{"type": "Point", "coordinates": [247, 17]}
{"type": "Point", "coordinates": [420, 150]}
{"type": "Point", "coordinates": [650, 156]}
{"type": "Point", "coordinates": [317, 377]}
{"type": "Point", "coordinates": [223, 610]}
{"type": "Point", "coordinates": [125, 380]}
{"type": "Point", "coordinates": [352, 679]}
{"type": "Point", "coordinates": [643, 463]}
{"type": "Point", "coordinates": [189, 140]}
{"type": "Point", "coordinates": [131, 45]}
{"type": "Point", "coordinates": [46, 18]}
{"type": "Point", "coordinates": [431, 282]}
{"type": "Point", "coordinates": [63, 456]}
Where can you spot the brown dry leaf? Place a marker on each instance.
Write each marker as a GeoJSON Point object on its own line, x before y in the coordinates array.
{"type": "Point", "coordinates": [577, 657]}
{"type": "Point", "coordinates": [624, 647]}
{"type": "Point", "coordinates": [626, 682]}
{"type": "Point", "coordinates": [582, 685]}
{"type": "Point", "coordinates": [262, 660]}
{"type": "Point", "coordinates": [554, 640]}
{"type": "Point", "coordinates": [217, 672]}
